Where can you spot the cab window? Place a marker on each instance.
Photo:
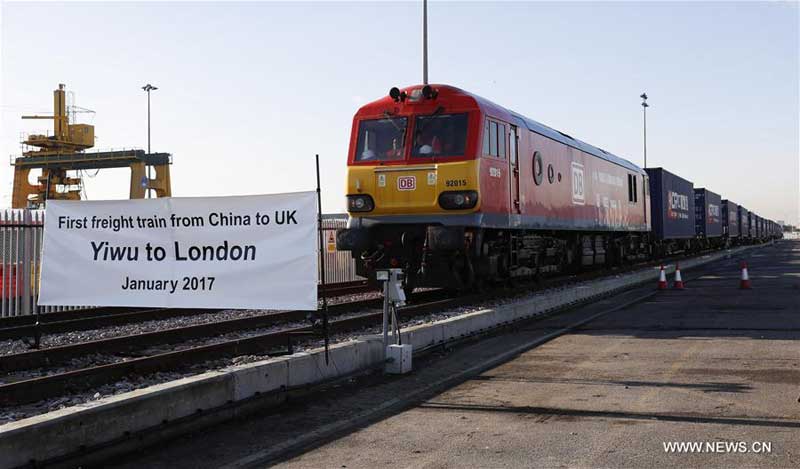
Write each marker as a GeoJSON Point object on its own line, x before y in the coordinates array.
{"type": "Point", "coordinates": [501, 140]}
{"type": "Point", "coordinates": [494, 139]}
{"type": "Point", "coordinates": [440, 135]}
{"type": "Point", "coordinates": [381, 139]}
{"type": "Point", "coordinates": [486, 138]}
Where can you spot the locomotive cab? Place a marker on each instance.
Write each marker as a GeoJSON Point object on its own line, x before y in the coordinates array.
{"type": "Point", "coordinates": [412, 159]}
{"type": "Point", "coordinates": [413, 155]}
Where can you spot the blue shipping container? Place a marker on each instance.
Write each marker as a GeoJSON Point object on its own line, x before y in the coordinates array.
{"type": "Point", "coordinates": [730, 219]}
{"type": "Point", "coordinates": [707, 213]}
{"type": "Point", "coordinates": [672, 205]}
{"type": "Point", "coordinates": [744, 228]}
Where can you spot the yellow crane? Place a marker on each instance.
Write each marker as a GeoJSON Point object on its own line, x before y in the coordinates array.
{"type": "Point", "coordinates": [64, 151]}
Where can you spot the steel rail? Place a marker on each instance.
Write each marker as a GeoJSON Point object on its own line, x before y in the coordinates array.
{"type": "Point", "coordinates": [36, 389]}
{"type": "Point", "coordinates": [130, 343]}
{"type": "Point", "coordinates": [80, 320]}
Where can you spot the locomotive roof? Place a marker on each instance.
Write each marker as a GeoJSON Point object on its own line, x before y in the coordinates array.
{"type": "Point", "coordinates": [562, 137]}
{"type": "Point", "coordinates": [530, 124]}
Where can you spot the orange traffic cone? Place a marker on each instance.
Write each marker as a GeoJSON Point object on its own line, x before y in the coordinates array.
{"type": "Point", "coordinates": [678, 280]}
{"type": "Point", "coordinates": [744, 283]}
{"type": "Point", "coordinates": [662, 279]}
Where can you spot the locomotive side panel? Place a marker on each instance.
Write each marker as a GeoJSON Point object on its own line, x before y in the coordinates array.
{"type": "Point", "coordinates": [494, 171]}
{"type": "Point", "coordinates": [493, 176]}
{"type": "Point", "coordinates": [565, 188]}
{"type": "Point", "coordinates": [543, 198]}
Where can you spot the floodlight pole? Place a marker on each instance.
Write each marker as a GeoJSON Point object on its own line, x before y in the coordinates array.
{"type": "Point", "coordinates": [148, 88]}
{"type": "Point", "coordinates": [424, 42]}
{"type": "Point", "coordinates": [644, 111]}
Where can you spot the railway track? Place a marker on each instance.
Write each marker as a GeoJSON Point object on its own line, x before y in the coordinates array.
{"type": "Point", "coordinates": [93, 318]}
{"type": "Point", "coordinates": [35, 389]}
{"type": "Point", "coordinates": [27, 390]}
{"type": "Point", "coordinates": [129, 344]}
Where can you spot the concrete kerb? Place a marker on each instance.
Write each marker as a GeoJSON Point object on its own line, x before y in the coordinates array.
{"type": "Point", "coordinates": [70, 430]}
{"type": "Point", "coordinates": [93, 423]}
{"type": "Point", "coordinates": [252, 379]}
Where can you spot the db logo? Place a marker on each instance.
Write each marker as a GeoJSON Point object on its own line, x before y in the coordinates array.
{"type": "Point", "coordinates": [406, 183]}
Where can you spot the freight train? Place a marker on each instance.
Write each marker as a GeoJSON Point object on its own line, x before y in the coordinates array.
{"type": "Point", "coordinates": [459, 191]}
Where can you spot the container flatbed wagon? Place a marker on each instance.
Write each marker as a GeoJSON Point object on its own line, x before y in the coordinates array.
{"type": "Point", "coordinates": [672, 201]}
{"type": "Point", "coordinates": [759, 227]}
{"type": "Point", "coordinates": [708, 219]}
{"type": "Point", "coordinates": [744, 223]}
{"type": "Point", "coordinates": [730, 220]}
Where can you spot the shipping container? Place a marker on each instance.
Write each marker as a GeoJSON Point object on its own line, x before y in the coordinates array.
{"type": "Point", "coordinates": [744, 227]}
{"type": "Point", "coordinates": [730, 219]}
{"type": "Point", "coordinates": [672, 202]}
{"type": "Point", "coordinates": [707, 213]}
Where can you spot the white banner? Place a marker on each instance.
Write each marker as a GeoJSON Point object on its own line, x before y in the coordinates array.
{"type": "Point", "coordinates": [206, 252]}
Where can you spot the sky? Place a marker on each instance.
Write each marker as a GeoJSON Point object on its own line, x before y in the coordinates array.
{"type": "Point", "coordinates": [250, 92]}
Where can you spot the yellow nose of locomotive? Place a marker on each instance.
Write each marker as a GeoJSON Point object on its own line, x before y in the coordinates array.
{"type": "Point", "coordinates": [413, 188]}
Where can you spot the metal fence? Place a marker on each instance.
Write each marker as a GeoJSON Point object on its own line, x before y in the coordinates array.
{"type": "Point", "coordinates": [21, 233]}
{"type": "Point", "coordinates": [20, 264]}
{"type": "Point", "coordinates": [339, 265]}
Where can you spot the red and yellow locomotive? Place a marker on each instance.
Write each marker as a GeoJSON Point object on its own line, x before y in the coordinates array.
{"type": "Point", "coordinates": [457, 190]}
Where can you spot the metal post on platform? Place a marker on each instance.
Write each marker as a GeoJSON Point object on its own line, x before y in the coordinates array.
{"type": "Point", "coordinates": [47, 192]}
{"type": "Point", "coordinates": [322, 262]}
{"type": "Point", "coordinates": [396, 327]}
{"type": "Point", "coordinates": [384, 275]}
{"type": "Point", "coordinates": [393, 296]}
{"type": "Point", "coordinates": [396, 357]}
{"type": "Point", "coordinates": [26, 258]}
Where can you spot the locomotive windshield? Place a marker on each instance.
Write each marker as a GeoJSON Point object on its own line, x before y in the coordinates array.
{"type": "Point", "coordinates": [440, 135]}
{"type": "Point", "coordinates": [381, 139]}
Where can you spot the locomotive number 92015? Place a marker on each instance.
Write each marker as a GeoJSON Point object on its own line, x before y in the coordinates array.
{"type": "Point", "coordinates": [455, 183]}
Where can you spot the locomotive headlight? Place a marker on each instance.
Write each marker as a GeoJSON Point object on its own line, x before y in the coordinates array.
{"type": "Point", "coordinates": [458, 200]}
{"type": "Point", "coordinates": [360, 203]}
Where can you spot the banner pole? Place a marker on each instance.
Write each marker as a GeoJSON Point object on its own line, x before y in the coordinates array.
{"type": "Point", "coordinates": [322, 263]}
